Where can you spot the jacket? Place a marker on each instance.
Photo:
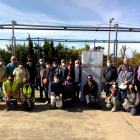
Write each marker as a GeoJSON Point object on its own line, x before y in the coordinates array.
{"type": "Point", "coordinates": [32, 70]}
{"type": "Point", "coordinates": [73, 73]}
{"type": "Point", "coordinates": [11, 67]}
{"type": "Point", "coordinates": [59, 72]}
{"type": "Point", "coordinates": [94, 88]}
{"type": "Point", "coordinates": [113, 74]}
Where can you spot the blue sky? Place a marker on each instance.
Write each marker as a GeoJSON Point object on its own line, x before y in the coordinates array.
{"type": "Point", "coordinates": [72, 12]}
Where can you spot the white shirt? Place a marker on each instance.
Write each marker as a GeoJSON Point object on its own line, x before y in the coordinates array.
{"type": "Point", "coordinates": [76, 74]}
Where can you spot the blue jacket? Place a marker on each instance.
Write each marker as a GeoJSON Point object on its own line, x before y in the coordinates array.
{"type": "Point", "coordinates": [59, 72]}
{"type": "Point", "coordinates": [56, 88]}
{"type": "Point", "coordinates": [11, 67]}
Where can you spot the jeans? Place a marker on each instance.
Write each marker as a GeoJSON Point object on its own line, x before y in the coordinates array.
{"type": "Point", "coordinates": [134, 110]}
{"type": "Point", "coordinates": [138, 86]}
{"type": "Point", "coordinates": [12, 103]}
{"type": "Point", "coordinates": [123, 94]}
{"type": "Point", "coordinates": [46, 91]}
{"type": "Point", "coordinates": [41, 90]}
{"type": "Point", "coordinates": [107, 88]}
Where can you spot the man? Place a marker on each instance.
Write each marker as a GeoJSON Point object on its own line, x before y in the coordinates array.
{"type": "Point", "coordinates": [54, 68]}
{"type": "Point", "coordinates": [10, 89]}
{"type": "Point", "coordinates": [3, 76]}
{"type": "Point", "coordinates": [11, 66]}
{"type": "Point", "coordinates": [55, 89]}
{"type": "Point", "coordinates": [62, 71]}
{"type": "Point", "coordinates": [125, 61]}
{"type": "Point", "coordinates": [90, 90]}
{"type": "Point", "coordinates": [31, 67]}
{"type": "Point", "coordinates": [38, 77]}
{"type": "Point", "coordinates": [109, 75]}
{"type": "Point", "coordinates": [76, 76]}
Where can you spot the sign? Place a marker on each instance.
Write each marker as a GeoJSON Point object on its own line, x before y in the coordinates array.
{"type": "Point", "coordinates": [92, 63]}
{"type": "Point", "coordinates": [59, 102]}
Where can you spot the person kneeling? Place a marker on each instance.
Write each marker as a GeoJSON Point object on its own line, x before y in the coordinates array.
{"type": "Point", "coordinates": [55, 89]}
{"type": "Point", "coordinates": [68, 93]}
{"type": "Point", "coordinates": [114, 97]}
{"type": "Point", "coordinates": [27, 92]}
{"type": "Point", "coordinates": [132, 99]}
{"type": "Point", "coordinates": [10, 89]}
{"type": "Point", "coordinates": [90, 90]}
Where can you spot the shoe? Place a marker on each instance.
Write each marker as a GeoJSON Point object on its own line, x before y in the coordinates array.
{"type": "Point", "coordinates": [52, 107]}
{"type": "Point", "coordinates": [46, 102]}
{"type": "Point", "coordinates": [40, 98]}
{"type": "Point", "coordinates": [7, 108]}
{"type": "Point", "coordinates": [113, 109]}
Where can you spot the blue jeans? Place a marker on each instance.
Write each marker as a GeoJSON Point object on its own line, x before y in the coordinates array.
{"type": "Point", "coordinates": [123, 94]}
{"type": "Point", "coordinates": [46, 91]}
{"type": "Point", "coordinates": [134, 110]}
{"type": "Point", "coordinates": [107, 88]}
{"type": "Point", "coordinates": [12, 103]}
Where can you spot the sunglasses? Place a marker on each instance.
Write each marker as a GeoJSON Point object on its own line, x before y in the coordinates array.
{"type": "Point", "coordinates": [13, 59]}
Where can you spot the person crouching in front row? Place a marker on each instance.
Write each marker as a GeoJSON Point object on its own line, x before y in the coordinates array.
{"type": "Point", "coordinates": [55, 89]}
{"type": "Point", "coordinates": [10, 89]}
{"type": "Point", "coordinates": [28, 94]}
{"type": "Point", "coordinates": [90, 90]}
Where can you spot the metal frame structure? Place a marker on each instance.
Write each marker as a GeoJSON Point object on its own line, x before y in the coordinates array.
{"type": "Point", "coordinates": [15, 26]}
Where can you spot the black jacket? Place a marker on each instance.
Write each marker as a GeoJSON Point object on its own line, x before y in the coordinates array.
{"type": "Point", "coordinates": [94, 87]}
{"type": "Point", "coordinates": [32, 70]}
{"type": "Point", "coordinates": [72, 73]}
{"type": "Point", "coordinates": [113, 74]}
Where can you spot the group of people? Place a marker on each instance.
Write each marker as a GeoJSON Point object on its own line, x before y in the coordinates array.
{"type": "Point", "coordinates": [18, 82]}
{"type": "Point", "coordinates": [120, 88]}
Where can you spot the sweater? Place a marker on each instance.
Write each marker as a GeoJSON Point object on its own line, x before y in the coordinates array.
{"type": "Point", "coordinates": [11, 68]}
{"type": "Point", "coordinates": [20, 74]}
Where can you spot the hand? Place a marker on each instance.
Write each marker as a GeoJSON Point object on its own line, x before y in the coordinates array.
{"type": "Point", "coordinates": [126, 82]}
{"type": "Point", "coordinates": [52, 93]}
{"type": "Point", "coordinates": [109, 98]}
{"type": "Point", "coordinates": [107, 83]}
{"type": "Point", "coordinates": [89, 95]}
{"type": "Point", "coordinates": [132, 106]}
{"type": "Point", "coordinates": [8, 98]}
{"type": "Point", "coordinates": [58, 97]}
{"type": "Point", "coordinates": [126, 100]}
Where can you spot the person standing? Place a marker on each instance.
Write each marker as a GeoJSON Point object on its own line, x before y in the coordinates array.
{"type": "Point", "coordinates": [3, 76]}
{"type": "Point", "coordinates": [126, 77]}
{"type": "Point", "coordinates": [11, 66]}
{"type": "Point", "coordinates": [125, 61]}
{"type": "Point", "coordinates": [70, 66]}
{"type": "Point", "coordinates": [109, 75]}
{"type": "Point", "coordinates": [31, 67]}
{"type": "Point", "coordinates": [46, 78]}
{"type": "Point", "coordinates": [40, 67]}
{"type": "Point", "coordinates": [137, 77]}
{"type": "Point", "coordinates": [76, 77]}
{"type": "Point", "coordinates": [62, 71]}
{"type": "Point", "coordinates": [10, 89]}
{"type": "Point", "coordinates": [54, 67]}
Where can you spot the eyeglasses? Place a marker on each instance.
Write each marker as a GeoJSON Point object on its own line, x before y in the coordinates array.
{"type": "Point", "coordinates": [13, 59]}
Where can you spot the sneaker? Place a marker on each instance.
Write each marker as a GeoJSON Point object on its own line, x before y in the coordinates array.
{"type": "Point", "coordinates": [7, 108]}
{"type": "Point", "coordinates": [113, 109]}
{"type": "Point", "coordinates": [46, 102]}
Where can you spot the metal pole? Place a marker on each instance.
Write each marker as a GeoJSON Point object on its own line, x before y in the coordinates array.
{"type": "Point", "coordinates": [116, 44]}
{"type": "Point", "coordinates": [109, 40]}
{"type": "Point", "coordinates": [38, 50]}
{"type": "Point", "coordinates": [114, 55]}
{"type": "Point", "coordinates": [94, 44]}
{"type": "Point", "coordinates": [14, 46]}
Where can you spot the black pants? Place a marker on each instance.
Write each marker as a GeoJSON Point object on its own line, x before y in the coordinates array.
{"type": "Point", "coordinates": [138, 86]}
{"type": "Point", "coordinates": [12, 103]}
{"type": "Point", "coordinates": [76, 87]}
{"type": "Point", "coordinates": [25, 105]}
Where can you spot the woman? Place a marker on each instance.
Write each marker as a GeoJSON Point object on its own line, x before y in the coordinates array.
{"type": "Point", "coordinates": [133, 98]}
{"type": "Point", "coordinates": [46, 77]}
{"type": "Point", "coordinates": [113, 99]}
{"type": "Point", "coordinates": [20, 73]}
{"type": "Point", "coordinates": [70, 65]}
{"type": "Point", "coordinates": [28, 95]}
{"type": "Point", "coordinates": [126, 78]}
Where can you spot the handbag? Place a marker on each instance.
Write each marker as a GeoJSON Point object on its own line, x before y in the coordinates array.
{"type": "Point", "coordinates": [45, 80]}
